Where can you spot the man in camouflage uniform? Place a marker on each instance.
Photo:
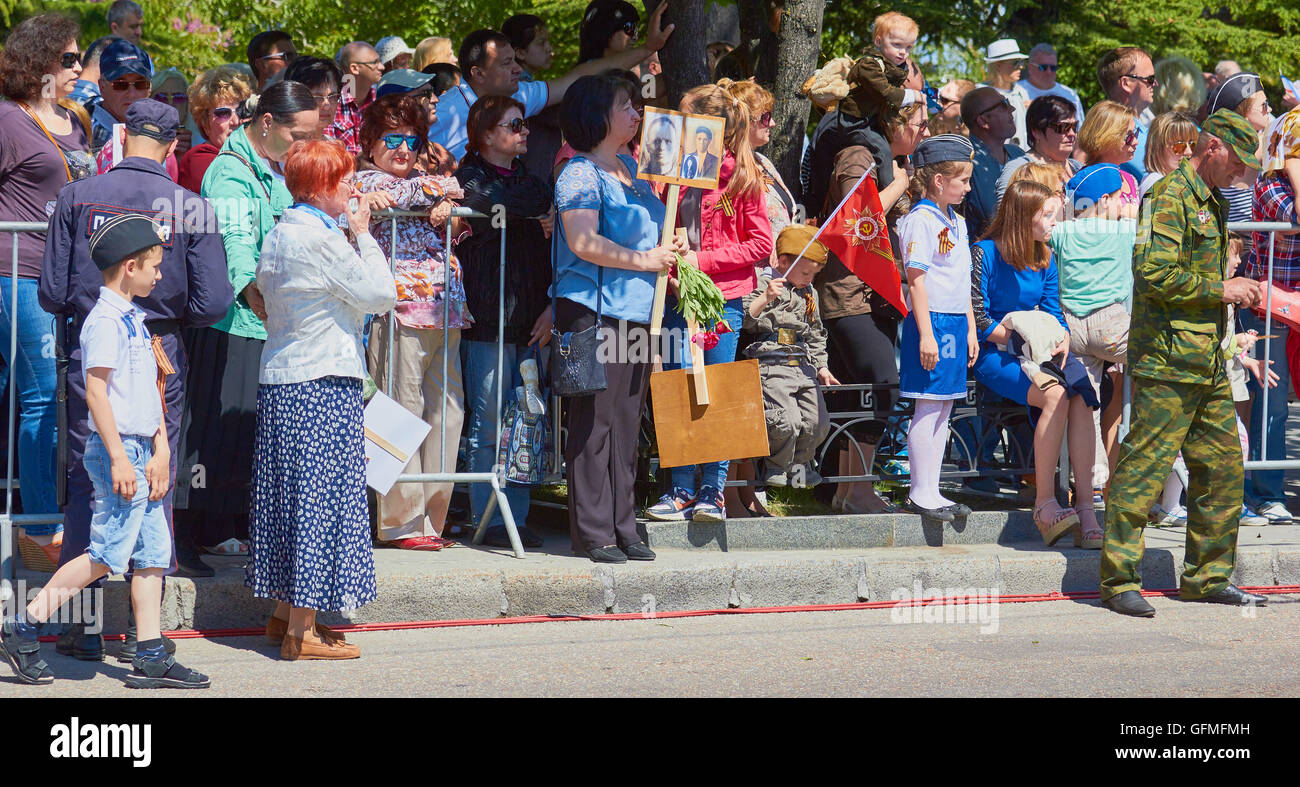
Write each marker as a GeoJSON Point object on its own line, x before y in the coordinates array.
{"type": "Point", "coordinates": [1182, 399]}
{"type": "Point", "coordinates": [791, 352]}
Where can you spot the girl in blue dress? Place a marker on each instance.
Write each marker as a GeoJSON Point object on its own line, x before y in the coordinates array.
{"type": "Point", "coordinates": [939, 334]}
{"type": "Point", "coordinates": [1013, 270]}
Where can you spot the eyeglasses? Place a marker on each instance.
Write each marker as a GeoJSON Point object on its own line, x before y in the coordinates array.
{"type": "Point", "coordinates": [171, 98]}
{"type": "Point", "coordinates": [1150, 81]}
{"type": "Point", "coordinates": [1047, 67]}
{"type": "Point", "coordinates": [223, 113]}
{"type": "Point", "coordinates": [516, 125]}
{"type": "Point", "coordinates": [1065, 127]}
{"type": "Point", "coordinates": [1131, 137]}
{"type": "Point", "coordinates": [70, 59]}
{"type": "Point", "coordinates": [1003, 104]}
{"type": "Point", "coordinates": [327, 99]}
{"type": "Point", "coordinates": [394, 141]}
{"type": "Point", "coordinates": [123, 85]}
{"type": "Point", "coordinates": [371, 63]}
{"type": "Point", "coordinates": [1182, 147]}
{"type": "Point", "coordinates": [285, 56]}
{"type": "Point", "coordinates": [765, 119]}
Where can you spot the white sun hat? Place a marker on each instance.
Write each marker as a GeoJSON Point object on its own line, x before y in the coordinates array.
{"type": "Point", "coordinates": [1004, 49]}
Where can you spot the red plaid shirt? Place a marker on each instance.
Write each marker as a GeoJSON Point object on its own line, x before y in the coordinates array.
{"type": "Point", "coordinates": [1274, 201]}
{"type": "Point", "coordinates": [347, 121]}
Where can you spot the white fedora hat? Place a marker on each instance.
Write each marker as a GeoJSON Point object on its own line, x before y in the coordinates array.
{"type": "Point", "coordinates": [1004, 49]}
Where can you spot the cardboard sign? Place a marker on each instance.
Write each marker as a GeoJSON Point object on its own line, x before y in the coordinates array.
{"type": "Point", "coordinates": [730, 426]}
{"type": "Point", "coordinates": [393, 435]}
{"type": "Point", "coordinates": [678, 148]}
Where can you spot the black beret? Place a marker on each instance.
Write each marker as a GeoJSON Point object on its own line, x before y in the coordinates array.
{"type": "Point", "coordinates": [122, 236]}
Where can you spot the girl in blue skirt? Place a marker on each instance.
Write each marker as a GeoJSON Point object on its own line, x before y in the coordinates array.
{"type": "Point", "coordinates": [939, 334]}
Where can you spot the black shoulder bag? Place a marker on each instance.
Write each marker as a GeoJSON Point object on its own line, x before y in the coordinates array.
{"type": "Point", "coordinates": [576, 369]}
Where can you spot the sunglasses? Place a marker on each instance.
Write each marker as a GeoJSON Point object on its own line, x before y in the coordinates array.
{"type": "Point", "coordinates": [1047, 67]}
{"type": "Point", "coordinates": [1149, 81]}
{"type": "Point", "coordinates": [171, 98]}
{"type": "Point", "coordinates": [285, 56]}
{"type": "Point", "coordinates": [765, 119]}
{"type": "Point", "coordinates": [630, 29]}
{"type": "Point", "coordinates": [1004, 103]}
{"type": "Point", "coordinates": [1131, 137]}
{"type": "Point", "coordinates": [223, 113]}
{"type": "Point", "coordinates": [1065, 127]}
{"type": "Point", "coordinates": [122, 85]}
{"type": "Point", "coordinates": [517, 125]}
{"type": "Point", "coordinates": [70, 59]}
{"type": "Point", "coordinates": [394, 141]}
{"type": "Point", "coordinates": [1182, 147]}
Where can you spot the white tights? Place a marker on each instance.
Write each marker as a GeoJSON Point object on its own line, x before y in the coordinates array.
{"type": "Point", "coordinates": [926, 440]}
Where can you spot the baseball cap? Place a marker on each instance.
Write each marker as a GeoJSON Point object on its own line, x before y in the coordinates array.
{"type": "Point", "coordinates": [1235, 132]}
{"type": "Point", "coordinates": [154, 119]}
{"type": "Point", "coordinates": [795, 237]}
{"type": "Point", "coordinates": [121, 57]}
{"type": "Point", "coordinates": [122, 236]}
{"type": "Point", "coordinates": [401, 80]}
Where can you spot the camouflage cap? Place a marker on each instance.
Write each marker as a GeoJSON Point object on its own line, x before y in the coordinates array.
{"type": "Point", "coordinates": [1235, 132]}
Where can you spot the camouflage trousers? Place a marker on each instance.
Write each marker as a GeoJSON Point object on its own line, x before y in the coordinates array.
{"type": "Point", "coordinates": [1200, 421]}
{"type": "Point", "coordinates": [797, 420]}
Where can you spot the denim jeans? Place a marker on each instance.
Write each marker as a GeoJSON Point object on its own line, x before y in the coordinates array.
{"type": "Point", "coordinates": [712, 474]}
{"type": "Point", "coordinates": [34, 380]}
{"type": "Point", "coordinates": [126, 533]}
{"type": "Point", "coordinates": [479, 360]}
{"type": "Point", "coordinates": [1266, 486]}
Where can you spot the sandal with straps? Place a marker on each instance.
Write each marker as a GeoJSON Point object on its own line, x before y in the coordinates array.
{"type": "Point", "coordinates": [1089, 537]}
{"type": "Point", "coordinates": [1060, 523]}
{"type": "Point", "coordinates": [24, 655]}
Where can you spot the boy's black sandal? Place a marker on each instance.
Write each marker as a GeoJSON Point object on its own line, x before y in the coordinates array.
{"type": "Point", "coordinates": [24, 655]}
{"type": "Point", "coordinates": [165, 674]}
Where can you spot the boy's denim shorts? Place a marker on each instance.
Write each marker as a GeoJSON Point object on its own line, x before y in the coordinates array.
{"type": "Point", "coordinates": [122, 532]}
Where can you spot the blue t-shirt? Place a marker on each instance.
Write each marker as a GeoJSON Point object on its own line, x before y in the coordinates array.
{"type": "Point", "coordinates": [631, 217]}
{"type": "Point", "coordinates": [1003, 289]}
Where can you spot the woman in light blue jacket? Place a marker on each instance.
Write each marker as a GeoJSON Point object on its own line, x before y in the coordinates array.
{"type": "Point", "coordinates": [309, 529]}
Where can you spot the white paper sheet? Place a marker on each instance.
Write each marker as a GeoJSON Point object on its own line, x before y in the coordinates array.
{"type": "Point", "coordinates": [402, 430]}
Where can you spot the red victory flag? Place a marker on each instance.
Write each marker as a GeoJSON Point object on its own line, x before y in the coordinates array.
{"type": "Point", "coordinates": [856, 232]}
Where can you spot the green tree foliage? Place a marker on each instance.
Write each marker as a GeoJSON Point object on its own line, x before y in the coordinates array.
{"type": "Point", "coordinates": [1261, 35]}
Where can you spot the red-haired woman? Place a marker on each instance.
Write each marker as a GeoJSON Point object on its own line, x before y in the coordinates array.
{"type": "Point", "coordinates": [430, 313]}
{"type": "Point", "coordinates": [309, 529]}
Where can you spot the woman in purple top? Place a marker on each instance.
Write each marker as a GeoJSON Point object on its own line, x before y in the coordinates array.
{"type": "Point", "coordinates": [43, 147]}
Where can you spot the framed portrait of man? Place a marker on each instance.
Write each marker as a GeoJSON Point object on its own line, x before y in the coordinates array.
{"type": "Point", "coordinates": [679, 148]}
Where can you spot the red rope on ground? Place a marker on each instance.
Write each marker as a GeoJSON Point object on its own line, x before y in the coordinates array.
{"type": "Point", "coordinates": [946, 600]}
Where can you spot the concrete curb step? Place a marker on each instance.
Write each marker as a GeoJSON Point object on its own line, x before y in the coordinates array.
{"type": "Point", "coordinates": [473, 583]}
{"type": "Point", "coordinates": [843, 531]}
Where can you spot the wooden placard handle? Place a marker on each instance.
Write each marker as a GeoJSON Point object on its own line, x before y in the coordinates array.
{"type": "Point", "coordinates": [661, 282]}
{"type": "Point", "coordinates": [373, 437]}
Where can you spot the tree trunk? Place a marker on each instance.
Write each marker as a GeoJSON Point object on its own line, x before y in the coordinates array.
{"type": "Point", "coordinates": [798, 49]}
{"type": "Point", "coordinates": [684, 59]}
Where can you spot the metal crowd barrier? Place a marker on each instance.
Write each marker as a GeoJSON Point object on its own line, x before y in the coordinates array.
{"type": "Point", "coordinates": [496, 477]}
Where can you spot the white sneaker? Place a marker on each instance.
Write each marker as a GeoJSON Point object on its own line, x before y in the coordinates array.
{"type": "Point", "coordinates": [1275, 513]}
{"type": "Point", "coordinates": [1250, 518]}
{"type": "Point", "coordinates": [1162, 518]}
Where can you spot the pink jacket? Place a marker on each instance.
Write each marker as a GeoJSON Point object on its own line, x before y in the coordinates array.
{"type": "Point", "coordinates": [732, 245]}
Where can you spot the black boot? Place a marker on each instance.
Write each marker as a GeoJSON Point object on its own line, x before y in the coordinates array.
{"type": "Point", "coordinates": [75, 642]}
{"type": "Point", "coordinates": [188, 562]}
{"type": "Point", "coordinates": [130, 642]}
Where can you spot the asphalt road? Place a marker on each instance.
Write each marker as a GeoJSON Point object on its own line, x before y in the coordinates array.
{"type": "Point", "coordinates": [1059, 648]}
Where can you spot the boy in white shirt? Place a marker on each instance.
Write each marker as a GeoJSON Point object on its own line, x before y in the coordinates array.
{"type": "Point", "coordinates": [127, 458]}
